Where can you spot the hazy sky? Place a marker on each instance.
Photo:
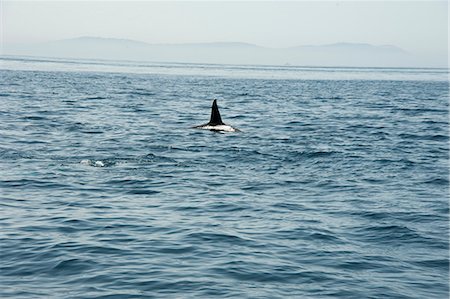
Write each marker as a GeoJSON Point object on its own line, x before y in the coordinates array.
{"type": "Point", "coordinates": [416, 26]}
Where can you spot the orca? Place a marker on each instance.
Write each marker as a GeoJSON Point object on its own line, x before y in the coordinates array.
{"type": "Point", "coordinates": [215, 122]}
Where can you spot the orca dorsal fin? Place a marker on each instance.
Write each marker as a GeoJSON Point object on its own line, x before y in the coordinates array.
{"type": "Point", "coordinates": [215, 119]}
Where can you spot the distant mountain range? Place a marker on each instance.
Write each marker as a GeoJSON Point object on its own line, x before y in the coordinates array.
{"type": "Point", "coordinates": [338, 54]}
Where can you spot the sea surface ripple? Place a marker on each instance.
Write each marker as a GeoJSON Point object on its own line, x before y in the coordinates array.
{"type": "Point", "coordinates": [333, 189]}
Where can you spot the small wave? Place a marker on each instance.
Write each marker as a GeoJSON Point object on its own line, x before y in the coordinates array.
{"type": "Point", "coordinates": [319, 154]}
{"type": "Point", "coordinates": [34, 117]}
{"type": "Point", "coordinates": [225, 207]}
{"type": "Point", "coordinates": [154, 158]}
{"type": "Point", "coordinates": [72, 267]}
{"type": "Point", "coordinates": [406, 163]}
{"type": "Point", "coordinates": [437, 137]}
{"type": "Point", "coordinates": [91, 132]}
{"type": "Point", "coordinates": [176, 249]}
{"type": "Point", "coordinates": [328, 98]}
{"type": "Point", "coordinates": [218, 238]}
{"type": "Point", "coordinates": [442, 264]}
{"type": "Point", "coordinates": [143, 93]}
{"type": "Point", "coordinates": [371, 215]}
{"type": "Point", "coordinates": [306, 155]}
{"type": "Point", "coordinates": [144, 191]}
{"type": "Point", "coordinates": [31, 183]}
{"type": "Point", "coordinates": [8, 154]}
{"type": "Point", "coordinates": [94, 98]}
{"type": "Point", "coordinates": [437, 181]}
{"type": "Point", "coordinates": [359, 265]}
{"type": "Point", "coordinates": [392, 229]}
{"type": "Point", "coordinates": [415, 111]}
{"type": "Point", "coordinates": [104, 250]}
{"type": "Point", "coordinates": [391, 234]}
{"type": "Point", "coordinates": [134, 93]}
{"type": "Point", "coordinates": [324, 237]}
{"type": "Point", "coordinates": [262, 272]}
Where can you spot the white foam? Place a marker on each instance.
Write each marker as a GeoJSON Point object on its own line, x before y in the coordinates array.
{"type": "Point", "coordinates": [85, 162]}
{"type": "Point", "coordinates": [91, 163]}
{"type": "Point", "coordinates": [99, 164]}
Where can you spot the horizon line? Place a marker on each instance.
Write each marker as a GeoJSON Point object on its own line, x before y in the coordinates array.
{"type": "Point", "coordinates": [87, 60]}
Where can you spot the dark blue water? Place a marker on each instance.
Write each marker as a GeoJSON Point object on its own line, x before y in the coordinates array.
{"type": "Point", "coordinates": [335, 188]}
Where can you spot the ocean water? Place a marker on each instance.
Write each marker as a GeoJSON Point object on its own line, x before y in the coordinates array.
{"type": "Point", "coordinates": [337, 186]}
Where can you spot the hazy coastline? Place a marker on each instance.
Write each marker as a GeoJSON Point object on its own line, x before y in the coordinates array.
{"type": "Point", "coordinates": [329, 55]}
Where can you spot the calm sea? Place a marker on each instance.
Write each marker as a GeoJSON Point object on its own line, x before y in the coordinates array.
{"type": "Point", "coordinates": [337, 186]}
